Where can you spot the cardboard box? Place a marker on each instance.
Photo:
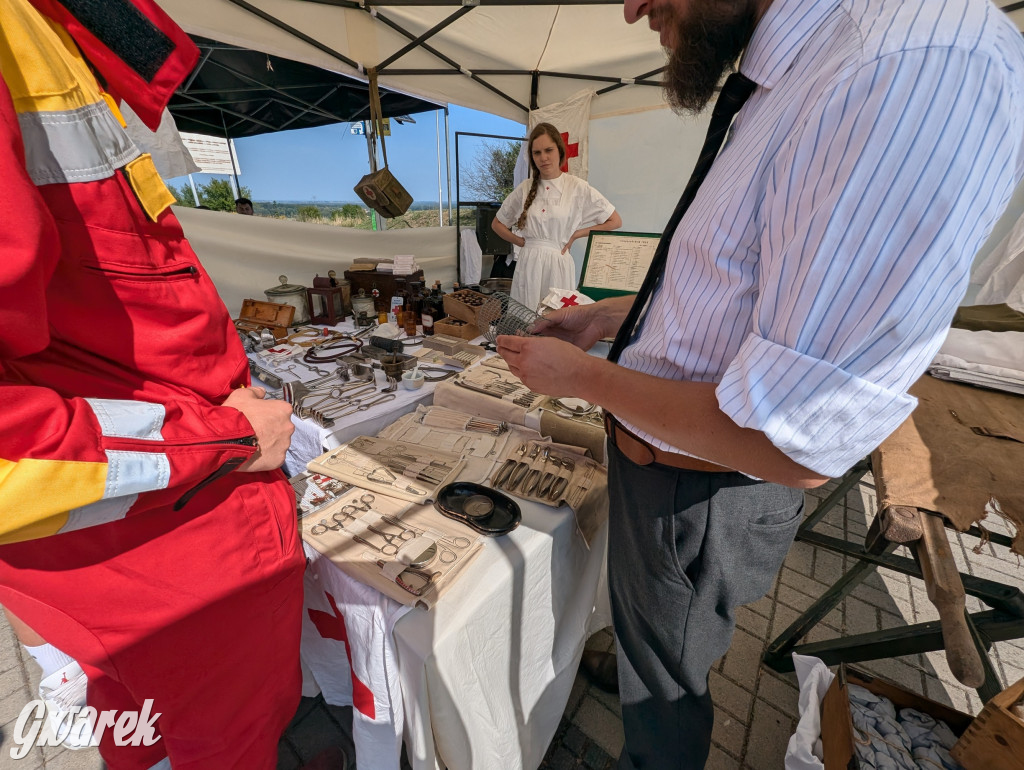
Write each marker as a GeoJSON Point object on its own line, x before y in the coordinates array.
{"type": "Point", "coordinates": [995, 738]}
{"type": "Point", "coordinates": [456, 327]}
{"type": "Point", "coordinates": [464, 304]}
{"type": "Point", "coordinates": [265, 315]}
{"type": "Point", "coordinates": [837, 724]}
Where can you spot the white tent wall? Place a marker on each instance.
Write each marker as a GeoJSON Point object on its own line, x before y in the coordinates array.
{"type": "Point", "coordinates": [245, 255]}
{"type": "Point", "coordinates": [641, 161]}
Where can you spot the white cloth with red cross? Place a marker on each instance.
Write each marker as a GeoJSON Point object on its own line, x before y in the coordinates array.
{"type": "Point", "coordinates": [559, 298]}
{"type": "Point", "coordinates": [347, 645]}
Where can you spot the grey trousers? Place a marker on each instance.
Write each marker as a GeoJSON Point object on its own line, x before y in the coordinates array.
{"type": "Point", "coordinates": [685, 549]}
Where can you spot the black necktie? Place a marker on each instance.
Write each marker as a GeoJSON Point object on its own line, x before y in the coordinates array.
{"type": "Point", "coordinates": [734, 93]}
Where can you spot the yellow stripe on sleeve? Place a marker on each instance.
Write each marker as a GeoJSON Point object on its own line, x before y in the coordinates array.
{"type": "Point", "coordinates": [36, 495]}
{"type": "Point", "coordinates": [42, 66]}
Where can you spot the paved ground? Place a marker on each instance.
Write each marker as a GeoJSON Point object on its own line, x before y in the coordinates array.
{"type": "Point", "coordinates": [755, 708]}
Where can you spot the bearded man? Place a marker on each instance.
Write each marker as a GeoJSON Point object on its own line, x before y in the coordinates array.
{"type": "Point", "coordinates": [804, 282]}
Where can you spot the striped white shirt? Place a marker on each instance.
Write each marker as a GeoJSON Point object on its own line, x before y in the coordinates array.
{"type": "Point", "coordinates": [817, 270]}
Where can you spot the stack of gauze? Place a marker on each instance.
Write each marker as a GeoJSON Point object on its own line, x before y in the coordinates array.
{"type": "Point", "coordinates": [405, 264]}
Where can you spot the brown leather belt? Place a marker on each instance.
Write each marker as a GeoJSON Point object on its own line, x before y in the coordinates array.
{"type": "Point", "coordinates": [642, 453]}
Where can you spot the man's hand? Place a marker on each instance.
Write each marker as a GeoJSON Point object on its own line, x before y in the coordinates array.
{"type": "Point", "coordinates": [585, 325]}
{"type": "Point", "coordinates": [271, 421]}
{"type": "Point", "coordinates": [545, 365]}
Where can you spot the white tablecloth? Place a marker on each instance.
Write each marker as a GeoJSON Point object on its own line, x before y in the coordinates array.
{"type": "Point", "coordinates": [485, 675]}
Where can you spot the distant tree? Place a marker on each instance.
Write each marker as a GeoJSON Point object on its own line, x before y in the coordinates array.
{"type": "Point", "coordinates": [183, 196]}
{"type": "Point", "coordinates": [353, 211]}
{"type": "Point", "coordinates": [491, 172]}
{"type": "Point", "coordinates": [218, 195]}
{"type": "Point", "coordinates": [307, 213]}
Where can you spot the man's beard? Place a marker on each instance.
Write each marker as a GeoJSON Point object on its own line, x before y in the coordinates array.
{"type": "Point", "coordinates": [707, 41]}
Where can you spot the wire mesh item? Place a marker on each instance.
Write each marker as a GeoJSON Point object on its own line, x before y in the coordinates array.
{"type": "Point", "coordinates": [501, 314]}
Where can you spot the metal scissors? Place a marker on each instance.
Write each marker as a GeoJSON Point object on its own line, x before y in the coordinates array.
{"type": "Point", "coordinates": [323, 526]}
{"type": "Point", "coordinates": [362, 504]}
{"type": "Point", "coordinates": [446, 545]}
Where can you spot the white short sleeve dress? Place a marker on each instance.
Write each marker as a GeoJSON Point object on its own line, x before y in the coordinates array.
{"type": "Point", "coordinates": [562, 206]}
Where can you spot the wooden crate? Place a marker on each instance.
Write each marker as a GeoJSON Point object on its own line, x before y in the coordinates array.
{"type": "Point", "coordinates": [995, 739]}
{"type": "Point", "coordinates": [464, 304]}
{"type": "Point", "coordinates": [456, 327]}
{"type": "Point", "coordinates": [837, 723]}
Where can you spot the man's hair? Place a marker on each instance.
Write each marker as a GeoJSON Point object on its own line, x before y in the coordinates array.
{"type": "Point", "coordinates": [240, 201]}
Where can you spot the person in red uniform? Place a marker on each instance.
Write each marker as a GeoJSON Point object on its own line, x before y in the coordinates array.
{"type": "Point", "coordinates": [145, 528]}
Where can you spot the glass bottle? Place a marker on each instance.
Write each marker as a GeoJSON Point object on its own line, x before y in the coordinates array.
{"type": "Point", "coordinates": [433, 309]}
{"type": "Point", "coordinates": [398, 302]}
{"type": "Point", "coordinates": [411, 317]}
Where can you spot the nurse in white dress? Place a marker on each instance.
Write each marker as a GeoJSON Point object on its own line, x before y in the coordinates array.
{"type": "Point", "coordinates": [545, 214]}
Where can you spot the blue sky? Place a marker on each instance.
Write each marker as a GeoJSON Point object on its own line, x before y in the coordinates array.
{"type": "Point", "coordinates": [325, 163]}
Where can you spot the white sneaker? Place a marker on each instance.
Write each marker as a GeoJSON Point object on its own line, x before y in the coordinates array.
{"type": "Point", "coordinates": [63, 691]}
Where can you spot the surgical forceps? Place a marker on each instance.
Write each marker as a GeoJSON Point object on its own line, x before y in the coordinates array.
{"type": "Point", "coordinates": [362, 504]}
{"type": "Point", "coordinates": [391, 539]}
{"type": "Point", "coordinates": [392, 542]}
{"type": "Point", "coordinates": [352, 408]}
{"type": "Point", "coordinates": [323, 526]}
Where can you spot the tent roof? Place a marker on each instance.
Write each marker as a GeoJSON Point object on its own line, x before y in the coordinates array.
{"type": "Point", "coordinates": [500, 56]}
{"type": "Point", "coordinates": [239, 92]}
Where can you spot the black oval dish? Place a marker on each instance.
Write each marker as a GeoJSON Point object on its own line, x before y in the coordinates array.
{"type": "Point", "coordinates": [502, 519]}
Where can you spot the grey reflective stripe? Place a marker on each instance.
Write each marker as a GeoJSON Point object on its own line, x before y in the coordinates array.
{"type": "Point", "coordinates": [98, 513]}
{"type": "Point", "coordinates": [129, 419]}
{"type": "Point", "coordinates": [129, 473]}
{"type": "Point", "coordinates": [81, 145]}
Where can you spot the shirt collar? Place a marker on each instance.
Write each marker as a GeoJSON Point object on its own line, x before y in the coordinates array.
{"type": "Point", "coordinates": [780, 36]}
{"type": "Point", "coordinates": [555, 183]}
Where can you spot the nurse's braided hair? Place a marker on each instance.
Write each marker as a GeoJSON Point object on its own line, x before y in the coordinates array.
{"type": "Point", "coordinates": [554, 136]}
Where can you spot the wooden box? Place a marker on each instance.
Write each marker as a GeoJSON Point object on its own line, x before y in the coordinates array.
{"type": "Point", "coordinates": [465, 305]}
{"type": "Point", "coordinates": [837, 734]}
{"type": "Point", "coordinates": [456, 327]}
{"type": "Point", "coordinates": [996, 736]}
{"type": "Point", "coordinates": [383, 193]}
{"type": "Point", "coordinates": [266, 315]}
{"type": "Point", "coordinates": [385, 282]}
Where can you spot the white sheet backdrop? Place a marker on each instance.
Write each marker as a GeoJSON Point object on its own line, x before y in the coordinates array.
{"type": "Point", "coordinates": [245, 255]}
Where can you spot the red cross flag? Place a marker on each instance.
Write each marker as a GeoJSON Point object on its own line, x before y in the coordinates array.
{"type": "Point", "coordinates": [572, 119]}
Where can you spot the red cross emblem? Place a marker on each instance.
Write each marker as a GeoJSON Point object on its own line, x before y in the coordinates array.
{"type": "Point", "coordinates": [569, 301]}
{"type": "Point", "coordinates": [571, 151]}
{"type": "Point", "coordinates": [333, 627]}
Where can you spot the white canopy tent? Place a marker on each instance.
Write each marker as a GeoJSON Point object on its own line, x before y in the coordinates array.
{"type": "Point", "coordinates": [497, 56]}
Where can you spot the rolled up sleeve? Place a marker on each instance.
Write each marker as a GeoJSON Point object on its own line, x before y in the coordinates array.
{"type": "Point", "coordinates": [820, 416]}
{"type": "Point", "coordinates": [869, 228]}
